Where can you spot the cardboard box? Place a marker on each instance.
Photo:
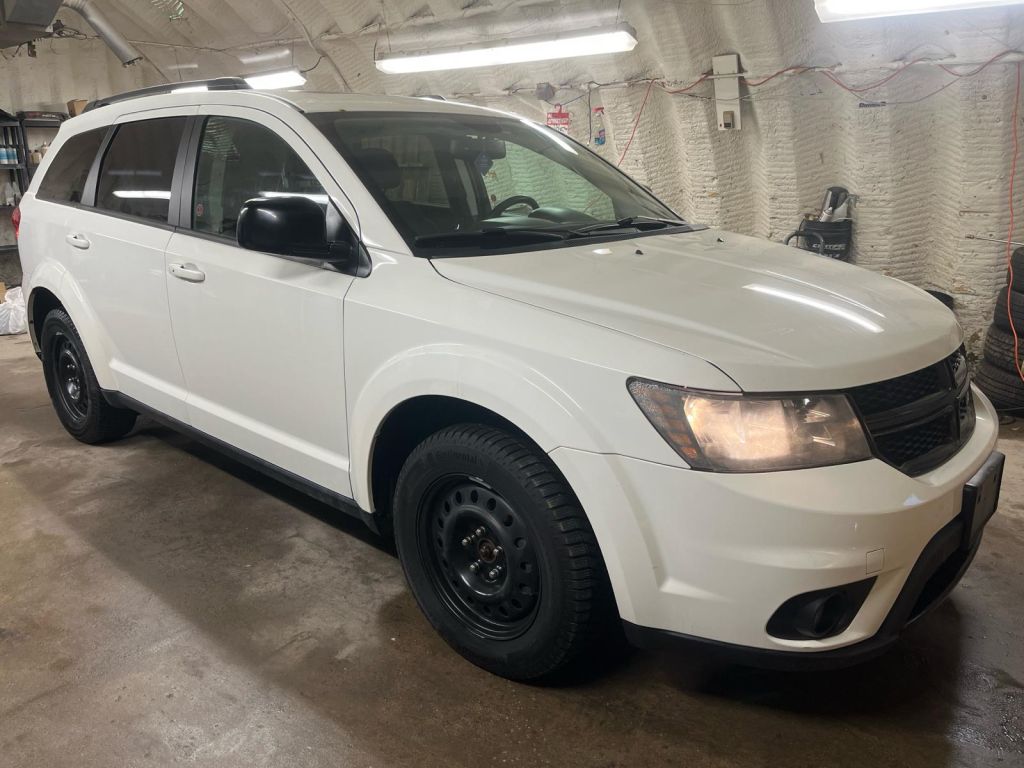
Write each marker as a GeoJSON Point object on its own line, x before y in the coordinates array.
{"type": "Point", "coordinates": [3, 291]}
{"type": "Point", "coordinates": [77, 106]}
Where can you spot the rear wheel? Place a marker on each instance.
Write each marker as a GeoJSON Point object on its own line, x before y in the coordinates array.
{"type": "Point", "coordinates": [499, 554]}
{"type": "Point", "coordinates": [74, 391]}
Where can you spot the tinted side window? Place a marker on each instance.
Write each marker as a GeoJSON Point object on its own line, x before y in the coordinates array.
{"type": "Point", "coordinates": [135, 176]}
{"type": "Point", "coordinates": [240, 160]}
{"type": "Point", "coordinates": [65, 179]}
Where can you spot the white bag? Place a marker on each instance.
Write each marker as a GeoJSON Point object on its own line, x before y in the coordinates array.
{"type": "Point", "coordinates": [13, 317]}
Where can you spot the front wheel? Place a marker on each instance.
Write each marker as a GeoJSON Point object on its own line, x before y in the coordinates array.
{"type": "Point", "coordinates": [499, 554]}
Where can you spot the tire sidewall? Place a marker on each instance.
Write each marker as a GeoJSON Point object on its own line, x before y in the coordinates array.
{"type": "Point", "coordinates": [58, 326]}
{"type": "Point", "coordinates": [542, 639]}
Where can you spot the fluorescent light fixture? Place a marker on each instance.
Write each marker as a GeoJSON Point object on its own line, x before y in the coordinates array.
{"type": "Point", "coordinates": [846, 10]}
{"type": "Point", "coordinates": [259, 57]}
{"type": "Point", "coordinates": [269, 81]}
{"type": "Point", "coordinates": [190, 89]}
{"type": "Point", "coordinates": [587, 42]}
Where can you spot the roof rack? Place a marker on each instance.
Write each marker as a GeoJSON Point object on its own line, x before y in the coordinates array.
{"type": "Point", "coordinates": [216, 84]}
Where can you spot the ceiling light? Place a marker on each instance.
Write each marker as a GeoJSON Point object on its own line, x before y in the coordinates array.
{"type": "Point", "coordinates": [190, 89]}
{"type": "Point", "coordinates": [269, 81]}
{"type": "Point", "coordinates": [258, 57]}
{"type": "Point", "coordinates": [566, 46]}
{"type": "Point", "coordinates": [846, 10]}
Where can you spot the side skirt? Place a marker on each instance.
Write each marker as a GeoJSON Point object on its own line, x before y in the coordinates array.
{"type": "Point", "coordinates": [318, 492]}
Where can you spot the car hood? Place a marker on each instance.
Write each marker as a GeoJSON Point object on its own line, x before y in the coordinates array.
{"type": "Point", "coordinates": [775, 319]}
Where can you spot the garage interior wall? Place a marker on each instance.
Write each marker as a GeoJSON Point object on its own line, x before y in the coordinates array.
{"type": "Point", "coordinates": [927, 171]}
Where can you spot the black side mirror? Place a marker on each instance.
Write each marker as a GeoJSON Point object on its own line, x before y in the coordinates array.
{"type": "Point", "coordinates": [292, 226]}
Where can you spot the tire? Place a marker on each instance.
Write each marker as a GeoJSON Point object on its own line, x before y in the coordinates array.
{"type": "Point", "coordinates": [471, 498]}
{"type": "Point", "coordinates": [999, 315]}
{"type": "Point", "coordinates": [1004, 388]}
{"type": "Point", "coordinates": [999, 348]}
{"type": "Point", "coordinates": [74, 391]}
{"type": "Point", "coordinates": [1018, 270]}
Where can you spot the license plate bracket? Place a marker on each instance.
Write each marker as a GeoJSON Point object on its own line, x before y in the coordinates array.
{"type": "Point", "coordinates": [981, 498]}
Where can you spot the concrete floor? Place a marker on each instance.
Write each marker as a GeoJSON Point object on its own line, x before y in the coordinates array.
{"type": "Point", "coordinates": [159, 604]}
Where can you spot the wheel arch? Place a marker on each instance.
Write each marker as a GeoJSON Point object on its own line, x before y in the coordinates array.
{"type": "Point", "coordinates": [41, 302]}
{"type": "Point", "coordinates": [409, 422]}
{"type": "Point", "coordinates": [405, 426]}
{"type": "Point", "coordinates": [53, 288]}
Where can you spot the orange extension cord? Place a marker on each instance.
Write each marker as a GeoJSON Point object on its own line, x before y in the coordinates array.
{"type": "Point", "coordinates": [1009, 237]}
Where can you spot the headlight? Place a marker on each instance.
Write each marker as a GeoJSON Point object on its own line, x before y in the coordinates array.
{"type": "Point", "coordinates": [734, 433]}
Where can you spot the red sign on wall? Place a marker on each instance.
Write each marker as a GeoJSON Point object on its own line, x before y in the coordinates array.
{"type": "Point", "coordinates": [559, 120]}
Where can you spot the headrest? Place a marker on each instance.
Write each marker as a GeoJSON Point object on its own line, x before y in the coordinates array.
{"type": "Point", "coordinates": [381, 166]}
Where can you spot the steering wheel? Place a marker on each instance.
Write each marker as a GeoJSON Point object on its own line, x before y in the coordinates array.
{"type": "Point", "coordinates": [508, 202]}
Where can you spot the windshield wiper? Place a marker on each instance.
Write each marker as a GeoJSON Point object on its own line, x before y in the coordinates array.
{"type": "Point", "coordinates": [642, 223]}
{"type": "Point", "coordinates": [489, 238]}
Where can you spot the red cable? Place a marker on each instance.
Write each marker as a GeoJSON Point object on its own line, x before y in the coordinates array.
{"type": "Point", "coordinates": [984, 66]}
{"type": "Point", "coordinates": [864, 88]}
{"type": "Point", "coordinates": [758, 83]}
{"type": "Point", "coordinates": [1009, 237]}
{"type": "Point", "coordinates": [636, 123]}
{"type": "Point", "coordinates": [690, 87]}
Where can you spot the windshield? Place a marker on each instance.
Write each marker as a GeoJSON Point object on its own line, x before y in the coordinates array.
{"type": "Point", "coordinates": [456, 184]}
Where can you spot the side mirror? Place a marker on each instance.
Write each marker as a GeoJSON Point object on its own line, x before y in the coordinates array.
{"type": "Point", "coordinates": [293, 226]}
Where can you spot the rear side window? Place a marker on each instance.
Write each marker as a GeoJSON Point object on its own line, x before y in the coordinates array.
{"type": "Point", "coordinates": [65, 179]}
{"type": "Point", "coordinates": [240, 160]}
{"type": "Point", "coordinates": [135, 176]}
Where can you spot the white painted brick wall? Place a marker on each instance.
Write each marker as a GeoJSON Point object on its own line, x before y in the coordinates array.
{"type": "Point", "coordinates": [926, 174]}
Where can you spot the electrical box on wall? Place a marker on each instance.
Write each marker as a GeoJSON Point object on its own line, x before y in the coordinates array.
{"type": "Point", "coordinates": [726, 70]}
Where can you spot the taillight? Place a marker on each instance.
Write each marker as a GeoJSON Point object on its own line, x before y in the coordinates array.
{"type": "Point", "coordinates": [16, 221]}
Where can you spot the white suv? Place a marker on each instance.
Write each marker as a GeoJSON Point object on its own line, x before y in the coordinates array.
{"type": "Point", "coordinates": [575, 412]}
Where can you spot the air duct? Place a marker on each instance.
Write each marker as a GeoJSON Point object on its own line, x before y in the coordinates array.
{"type": "Point", "coordinates": [124, 50]}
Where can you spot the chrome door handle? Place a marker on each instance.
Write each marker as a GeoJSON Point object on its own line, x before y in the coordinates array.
{"type": "Point", "coordinates": [189, 272]}
{"type": "Point", "coordinates": [77, 241]}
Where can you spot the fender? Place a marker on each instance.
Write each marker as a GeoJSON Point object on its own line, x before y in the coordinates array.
{"type": "Point", "coordinates": [55, 278]}
{"type": "Point", "coordinates": [514, 391]}
{"type": "Point", "coordinates": [500, 383]}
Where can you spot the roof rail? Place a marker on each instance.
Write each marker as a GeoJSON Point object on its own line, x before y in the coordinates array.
{"type": "Point", "coordinates": [216, 84]}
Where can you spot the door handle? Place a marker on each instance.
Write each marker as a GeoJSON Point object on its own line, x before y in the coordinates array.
{"type": "Point", "coordinates": [189, 272]}
{"type": "Point", "coordinates": [77, 241]}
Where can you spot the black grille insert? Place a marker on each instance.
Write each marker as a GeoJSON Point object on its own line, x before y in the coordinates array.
{"type": "Point", "coordinates": [917, 421]}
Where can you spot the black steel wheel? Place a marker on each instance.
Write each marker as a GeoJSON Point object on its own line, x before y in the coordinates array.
{"type": "Point", "coordinates": [70, 378]}
{"type": "Point", "coordinates": [481, 559]}
{"type": "Point", "coordinates": [74, 391]}
{"type": "Point", "coordinates": [500, 556]}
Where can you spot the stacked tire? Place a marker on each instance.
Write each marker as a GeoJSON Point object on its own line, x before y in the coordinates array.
{"type": "Point", "coordinates": [998, 375]}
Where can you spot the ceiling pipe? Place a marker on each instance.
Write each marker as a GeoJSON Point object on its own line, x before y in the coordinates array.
{"type": "Point", "coordinates": [124, 50]}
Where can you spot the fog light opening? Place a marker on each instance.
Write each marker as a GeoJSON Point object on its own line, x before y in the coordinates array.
{"type": "Point", "coordinates": [823, 616]}
{"type": "Point", "coordinates": [820, 614]}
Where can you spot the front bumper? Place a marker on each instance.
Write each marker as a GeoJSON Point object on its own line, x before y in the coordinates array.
{"type": "Point", "coordinates": [702, 555]}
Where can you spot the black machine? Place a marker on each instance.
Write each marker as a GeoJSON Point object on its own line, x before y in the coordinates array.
{"type": "Point", "coordinates": [831, 233]}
